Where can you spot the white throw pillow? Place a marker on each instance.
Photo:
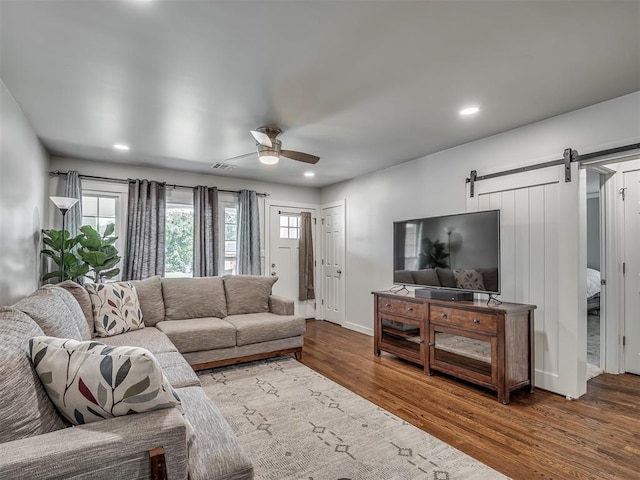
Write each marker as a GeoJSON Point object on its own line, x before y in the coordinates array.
{"type": "Point", "coordinates": [90, 381]}
{"type": "Point", "coordinates": [116, 308]}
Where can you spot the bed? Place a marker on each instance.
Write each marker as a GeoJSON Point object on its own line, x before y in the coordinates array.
{"type": "Point", "coordinates": [593, 290]}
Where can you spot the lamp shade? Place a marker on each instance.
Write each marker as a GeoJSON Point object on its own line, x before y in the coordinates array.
{"type": "Point", "coordinates": [64, 203]}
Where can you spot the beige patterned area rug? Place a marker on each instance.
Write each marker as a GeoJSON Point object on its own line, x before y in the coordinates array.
{"type": "Point", "coordinates": [296, 424]}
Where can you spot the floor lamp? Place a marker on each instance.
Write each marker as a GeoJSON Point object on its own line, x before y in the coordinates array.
{"type": "Point", "coordinates": [63, 204]}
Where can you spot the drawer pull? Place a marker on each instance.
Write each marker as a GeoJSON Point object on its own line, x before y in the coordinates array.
{"type": "Point", "coordinates": [409, 309]}
{"type": "Point", "coordinates": [444, 315]}
{"type": "Point", "coordinates": [387, 305]}
{"type": "Point", "coordinates": [476, 320]}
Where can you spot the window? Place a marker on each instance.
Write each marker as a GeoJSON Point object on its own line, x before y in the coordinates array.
{"type": "Point", "coordinates": [104, 203]}
{"type": "Point", "coordinates": [289, 226]}
{"type": "Point", "coordinates": [411, 246]}
{"type": "Point", "coordinates": [99, 210]}
{"type": "Point", "coordinates": [178, 260]}
{"type": "Point", "coordinates": [230, 229]}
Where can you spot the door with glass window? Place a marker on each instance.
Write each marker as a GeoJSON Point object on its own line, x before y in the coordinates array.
{"type": "Point", "coordinates": [284, 235]}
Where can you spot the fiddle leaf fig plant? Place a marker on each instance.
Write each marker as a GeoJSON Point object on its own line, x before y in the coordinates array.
{"type": "Point", "coordinates": [98, 253]}
{"type": "Point", "coordinates": [74, 268]}
{"type": "Point", "coordinates": [88, 254]}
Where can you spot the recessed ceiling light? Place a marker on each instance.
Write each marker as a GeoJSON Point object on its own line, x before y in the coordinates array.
{"type": "Point", "coordinates": [309, 174]}
{"type": "Point", "coordinates": [121, 146]}
{"type": "Point", "coordinates": [469, 111]}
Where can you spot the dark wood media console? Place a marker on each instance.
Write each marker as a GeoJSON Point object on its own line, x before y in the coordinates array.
{"type": "Point", "coordinates": [487, 345]}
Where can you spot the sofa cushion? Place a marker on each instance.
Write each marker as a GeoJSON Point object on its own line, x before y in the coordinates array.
{"type": "Point", "coordinates": [177, 370]}
{"type": "Point", "coordinates": [215, 451]}
{"type": "Point", "coordinates": [150, 298]}
{"type": "Point", "coordinates": [446, 277]}
{"type": "Point", "coordinates": [76, 315]}
{"type": "Point", "coordinates": [198, 334]}
{"type": "Point", "coordinates": [198, 297]}
{"type": "Point", "coordinates": [489, 278]}
{"type": "Point", "coordinates": [262, 327]}
{"type": "Point", "coordinates": [25, 408]}
{"type": "Point", "coordinates": [82, 297]}
{"type": "Point", "coordinates": [426, 277]}
{"type": "Point", "coordinates": [247, 293]}
{"type": "Point", "coordinates": [47, 308]}
{"type": "Point", "coordinates": [149, 338]}
{"type": "Point", "coordinates": [90, 381]}
{"type": "Point", "coordinates": [403, 276]}
{"type": "Point", "coordinates": [116, 308]}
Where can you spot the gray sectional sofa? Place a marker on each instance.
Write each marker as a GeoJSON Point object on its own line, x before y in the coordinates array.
{"type": "Point", "coordinates": [189, 324]}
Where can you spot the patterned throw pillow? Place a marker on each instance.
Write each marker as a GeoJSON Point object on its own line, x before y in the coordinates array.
{"type": "Point", "coordinates": [469, 279]}
{"type": "Point", "coordinates": [116, 308]}
{"type": "Point", "coordinates": [90, 381]}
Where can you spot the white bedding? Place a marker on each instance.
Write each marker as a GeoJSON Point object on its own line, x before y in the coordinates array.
{"type": "Point", "coordinates": [593, 282]}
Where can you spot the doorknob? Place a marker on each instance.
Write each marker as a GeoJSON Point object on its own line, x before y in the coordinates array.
{"type": "Point", "coordinates": [273, 274]}
{"type": "Point", "coordinates": [339, 271]}
{"type": "Point", "coordinates": [273, 265]}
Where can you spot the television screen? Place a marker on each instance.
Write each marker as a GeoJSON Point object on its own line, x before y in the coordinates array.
{"type": "Point", "coordinates": [453, 251]}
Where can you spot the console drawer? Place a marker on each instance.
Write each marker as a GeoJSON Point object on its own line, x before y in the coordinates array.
{"type": "Point", "coordinates": [480, 322]}
{"type": "Point", "coordinates": [401, 308]}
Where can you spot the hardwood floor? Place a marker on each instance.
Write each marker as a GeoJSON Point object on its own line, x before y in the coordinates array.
{"type": "Point", "coordinates": [539, 435]}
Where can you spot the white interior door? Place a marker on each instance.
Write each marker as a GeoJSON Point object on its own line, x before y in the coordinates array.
{"type": "Point", "coordinates": [284, 234]}
{"type": "Point", "coordinates": [541, 253]}
{"type": "Point", "coordinates": [631, 257]}
{"type": "Point", "coordinates": [333, 268]}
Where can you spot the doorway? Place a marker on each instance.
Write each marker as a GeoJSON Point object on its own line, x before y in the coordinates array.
{"type": "Point", "coordinates": [594, 277]}
{"type": "Point", "coordinates": [282, 253]}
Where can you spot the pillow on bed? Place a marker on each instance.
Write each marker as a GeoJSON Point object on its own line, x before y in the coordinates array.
{"type": "Point", "coordinates": [593, 282]}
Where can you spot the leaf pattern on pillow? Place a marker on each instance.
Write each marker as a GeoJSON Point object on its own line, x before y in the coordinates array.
{"type": "Point", "coordinates": [90, 381]}
{"type": "Point", "coordinates": [116, 308]}
{"type": "Point", "coordinates": [469, 279]}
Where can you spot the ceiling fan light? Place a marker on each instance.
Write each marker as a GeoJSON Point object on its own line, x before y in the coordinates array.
{"type": "Point", "coordinates": [269, 159]}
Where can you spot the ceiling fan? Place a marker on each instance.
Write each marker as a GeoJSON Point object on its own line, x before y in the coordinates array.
{"type": "Point", "coordinates": [270, 148]}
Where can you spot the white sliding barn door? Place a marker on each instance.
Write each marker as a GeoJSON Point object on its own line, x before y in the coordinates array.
{"type": "Point", "coordinates": [540, 265]}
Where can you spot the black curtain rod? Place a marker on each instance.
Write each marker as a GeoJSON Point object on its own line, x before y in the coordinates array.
{"type": "Point", "coordinates": [57, 173]}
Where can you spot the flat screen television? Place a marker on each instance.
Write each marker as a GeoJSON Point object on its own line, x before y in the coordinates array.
{"type": "Point", "coordinates": [459, 252]}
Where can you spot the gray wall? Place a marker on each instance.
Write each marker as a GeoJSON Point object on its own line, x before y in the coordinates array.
{"type": "Point", "coordinates": [23, 186]}
{"type": "Point", "coordinates": [593, 233]}
{"type": "Point", "coordinates": [435, 185]}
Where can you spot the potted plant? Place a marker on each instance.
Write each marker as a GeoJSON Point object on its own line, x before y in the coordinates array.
{"type": "Point", "coordinates": [98, 253]}
{"type": "Point", "coordinates": [74, 268]}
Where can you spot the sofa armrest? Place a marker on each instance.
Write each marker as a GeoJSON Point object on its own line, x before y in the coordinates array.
{"type": "Point", "coordinates": [280, 305]}
{"type": "Point", "coordinates": [108, 449]}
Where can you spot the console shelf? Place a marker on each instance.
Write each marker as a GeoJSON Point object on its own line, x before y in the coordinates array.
{"type": "Point", "coordinates": [486, 345]}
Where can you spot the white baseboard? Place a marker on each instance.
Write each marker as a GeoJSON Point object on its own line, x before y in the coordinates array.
{"type": "Point", "coordinates": [358, 328]}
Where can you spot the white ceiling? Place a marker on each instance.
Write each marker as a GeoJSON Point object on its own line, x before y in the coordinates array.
{"type": "Point", "coordinates": [364, 85]}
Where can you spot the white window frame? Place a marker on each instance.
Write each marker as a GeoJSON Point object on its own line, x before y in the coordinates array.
{"type": "Point", "coordinates": [225, 200]}
{"type": "Point", "coordinates": [120, 192]}
{"type": "Point", "coordinates": [179, 197]}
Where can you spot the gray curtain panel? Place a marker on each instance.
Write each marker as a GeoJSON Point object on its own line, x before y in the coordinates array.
{"type": "Point", "coordinates": [146, 218]}
{"type": "Point", "coordinates": [306, 289]}
{"type": "Point", "coordinates": [248, 234]}
{"type": "Point", "coordinates": [205, 231]}
{"type": "Point", "coordinates": [73, 189]}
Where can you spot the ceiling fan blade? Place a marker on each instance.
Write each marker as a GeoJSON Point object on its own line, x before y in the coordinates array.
{"type": "Point", "coordinates": [299, 156]}
{"type": "Point", "coordinates": [239, 156]}
{"type": "Point", "coordinates": [262, 138]}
